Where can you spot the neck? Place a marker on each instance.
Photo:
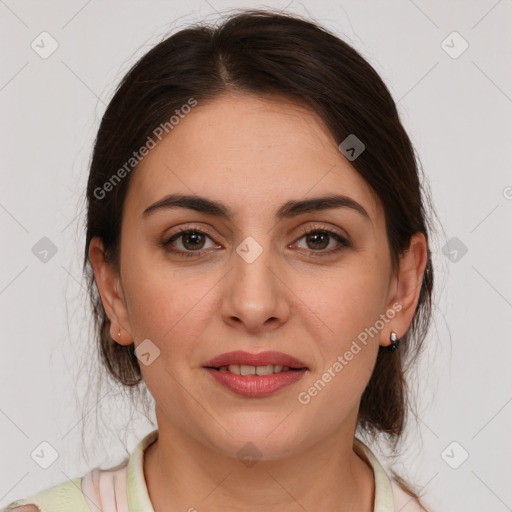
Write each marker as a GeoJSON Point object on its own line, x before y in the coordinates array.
{"type": "Point", "coordinates": [183, 474]}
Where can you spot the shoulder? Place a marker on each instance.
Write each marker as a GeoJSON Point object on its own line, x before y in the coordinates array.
{"type": "Point", "coordinates": [62, 497]}
{"type": "Point", "coordinates": [389, 493]}
{"type": "Point", "coordinates": [97, 490]}
{"type": "Point", "coordinates": [100, 489]}
{"type": "Point", "coordinates": [404, 502]}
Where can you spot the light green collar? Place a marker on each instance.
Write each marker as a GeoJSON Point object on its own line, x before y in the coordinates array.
{"type": "Point", "coordinates": [136, 488]}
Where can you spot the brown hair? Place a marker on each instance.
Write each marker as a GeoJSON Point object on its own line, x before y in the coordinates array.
{"type": "Point", "coordinates": [268, 53]}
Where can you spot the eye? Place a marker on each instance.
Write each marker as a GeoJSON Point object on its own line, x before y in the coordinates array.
{"type": "Point", "coordinates": [319, 239]}
{"type": "Point", "coordinates": [191, 240]}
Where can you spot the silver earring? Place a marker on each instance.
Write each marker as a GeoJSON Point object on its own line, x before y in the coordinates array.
{"type": "Point", "coordinates": [118, 333]}
{"type": "Point", "coordinates": [394, 342]}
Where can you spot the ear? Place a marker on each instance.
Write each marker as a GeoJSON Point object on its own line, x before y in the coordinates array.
{"type": "Point", "coordinates": [405, 288]}
{"type": "Point", "coordinates": [108, 282]}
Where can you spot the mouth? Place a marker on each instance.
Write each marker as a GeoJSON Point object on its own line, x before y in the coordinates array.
{"type": "Point", "coordinates": [244, 363]}
{"type": "Point", "coordinates": [255, 375]}
{"type": "Point", "coordinates": [249, 370]}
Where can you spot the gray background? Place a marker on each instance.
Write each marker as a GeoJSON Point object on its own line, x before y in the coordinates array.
{"type": "Point", "coordinates": [454, 105]}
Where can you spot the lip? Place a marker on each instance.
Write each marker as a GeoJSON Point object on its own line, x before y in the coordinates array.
{"type": "Point", "coordinates": [257, 385]}
{"type": "Point", "coordinates": [259, 359]}
{"type": "Point", "coordinates": [254, 386]}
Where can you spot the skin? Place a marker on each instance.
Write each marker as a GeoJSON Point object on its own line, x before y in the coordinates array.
{"type": "Point", "coordinates": [254, 154]}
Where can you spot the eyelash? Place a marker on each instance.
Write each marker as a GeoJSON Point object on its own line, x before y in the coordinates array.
{"type": "Point", "coordinates": [316, 229]}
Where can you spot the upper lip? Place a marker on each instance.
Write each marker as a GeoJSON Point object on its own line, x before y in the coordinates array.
{"type": "Point", "coordinates": [260, 359]}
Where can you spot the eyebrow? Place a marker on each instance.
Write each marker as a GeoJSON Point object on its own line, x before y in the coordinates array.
{"type": "Point", "coordinates": [289, 209]}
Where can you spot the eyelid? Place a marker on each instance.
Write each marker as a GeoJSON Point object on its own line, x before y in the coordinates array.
{"type": "Point", "coordinates": [325, 227]}
{"type": "Point", "coordinates": [188, 228]}
{"type": "Point", "coordinates": [342, 239]}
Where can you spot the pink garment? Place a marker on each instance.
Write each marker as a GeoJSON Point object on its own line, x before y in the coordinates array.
{"type": "Point", "coordinates": [105, 490]}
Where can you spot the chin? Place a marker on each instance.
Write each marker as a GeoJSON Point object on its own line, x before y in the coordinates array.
{"type": "Point", "coordinates": [258, 441]}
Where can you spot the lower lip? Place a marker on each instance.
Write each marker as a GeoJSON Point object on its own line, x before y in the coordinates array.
{"type": "Point", "coordinates": [256, 386]}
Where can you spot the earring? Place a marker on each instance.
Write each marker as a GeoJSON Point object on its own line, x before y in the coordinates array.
{"type": "Point", "coordinates": [119, 333]}
{"type": "Point", "coordinates": [394, 342]}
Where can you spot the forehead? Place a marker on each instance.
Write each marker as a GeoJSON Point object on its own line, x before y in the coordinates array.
{"type": "Point", "coordinates": [258, 152]}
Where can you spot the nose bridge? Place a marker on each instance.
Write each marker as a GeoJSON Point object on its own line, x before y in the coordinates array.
{"type": "Point", "coordinates": [254, 291]}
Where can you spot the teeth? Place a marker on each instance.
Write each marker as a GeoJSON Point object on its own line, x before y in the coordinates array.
{"type": "Point", "coordinates": [243, 369]}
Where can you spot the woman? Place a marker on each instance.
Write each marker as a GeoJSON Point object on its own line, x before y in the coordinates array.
{"type": "Point", "coordinates": [258, 255]}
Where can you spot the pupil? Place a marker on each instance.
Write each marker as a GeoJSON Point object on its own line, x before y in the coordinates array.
{"type": "Point", "coordinates": [196, 238]}
{"type": "Point", "coordinates": [315, 239]}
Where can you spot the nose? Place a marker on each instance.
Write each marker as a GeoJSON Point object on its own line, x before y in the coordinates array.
{"type": "Point", "coordinates": [255, 296]}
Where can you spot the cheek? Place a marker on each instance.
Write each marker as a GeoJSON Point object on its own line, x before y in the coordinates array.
{"type": "Point", "coordinates": [159, 308]}
{"type": "Point", "coordinates": [169, 305]}
{"type": "Point", "coordinates": [344, 303]}
{"type": "Point", "coordinates": [172, 312]}
{"type": "Point", "coordinates": [342, 311]}
{"type": "Point", "coordinates": [346, 347]}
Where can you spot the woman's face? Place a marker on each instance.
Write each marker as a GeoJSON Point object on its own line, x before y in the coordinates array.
{"type": "Point", "coordinates": [253, 280]}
